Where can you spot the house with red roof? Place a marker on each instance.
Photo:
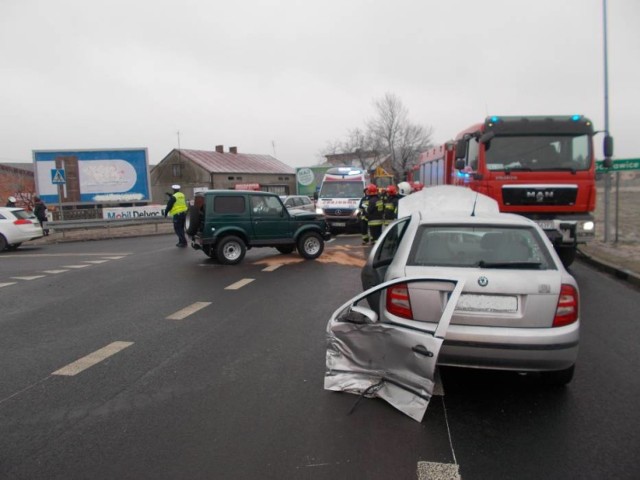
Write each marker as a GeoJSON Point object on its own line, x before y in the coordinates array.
{"type": "Point", "coordinates": [197, 170]}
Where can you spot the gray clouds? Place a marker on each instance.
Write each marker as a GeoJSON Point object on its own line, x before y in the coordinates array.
{"type": "Point", "coordinates": [98, 74]}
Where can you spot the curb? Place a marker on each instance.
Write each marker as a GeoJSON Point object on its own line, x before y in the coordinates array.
{"type": "Point", "coordinates": [611, 268]}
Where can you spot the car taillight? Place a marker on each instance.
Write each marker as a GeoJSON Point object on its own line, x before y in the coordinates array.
{"type": "Point", "coordinates": [22, 221]}
{"type": "Point", "coordinates": [567, 309]}
{"type": "Point", "coordinates": [398, 302]}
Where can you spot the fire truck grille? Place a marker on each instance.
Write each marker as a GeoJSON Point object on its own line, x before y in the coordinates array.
{"type": "Point", "coordinates": [532, 195]}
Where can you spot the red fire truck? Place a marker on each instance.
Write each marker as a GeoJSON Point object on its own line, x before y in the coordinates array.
{"type": "Point", "coordinates": [542, 167]}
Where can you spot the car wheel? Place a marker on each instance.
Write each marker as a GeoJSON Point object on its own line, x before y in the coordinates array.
{"type": "Point", "coordinates": [192, 220]}
{"type": "Point", "coordinates": [286, 249]}
{"type": "Point", "coordinates": [3, 242]}
{"type": "Point", "coordinates": [559, 377]}
{"type": "Point", "coordinates": [310, 245]}
{"type": "Point", "coordinates": [230, 250]}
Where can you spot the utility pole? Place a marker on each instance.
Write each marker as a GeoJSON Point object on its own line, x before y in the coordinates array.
{"type": "Point", "coordinates": [607, 175]}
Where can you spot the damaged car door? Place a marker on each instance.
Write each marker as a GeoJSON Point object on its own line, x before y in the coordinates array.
{"type": "Point", "coordinates": [392, 354]}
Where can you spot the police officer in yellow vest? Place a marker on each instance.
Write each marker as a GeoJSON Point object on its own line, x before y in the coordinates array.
{"type": "Point", "coordinates": [177, 208]}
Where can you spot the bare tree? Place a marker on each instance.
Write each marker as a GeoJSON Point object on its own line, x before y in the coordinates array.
{"type": "Point", "coordinates": [402, 139]}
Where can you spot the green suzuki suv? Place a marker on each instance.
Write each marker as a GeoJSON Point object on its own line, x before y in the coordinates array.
{"type": "Point", "coordinates": [225, 223]}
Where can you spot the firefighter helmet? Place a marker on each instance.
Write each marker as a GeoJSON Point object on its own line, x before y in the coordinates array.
{"type": "Point", "coordinates": [392, 190]}
{"type": "Point", "coordinates": [372, 189]}
{"type": "Point", "coordinates": [417, 186]}
{"type": "Point", "coordinates": [404, 188]}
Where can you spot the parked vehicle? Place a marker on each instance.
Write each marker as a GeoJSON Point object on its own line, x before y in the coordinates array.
{"type": "Point", "coordinates": [225, 223]}
{"type": "Point", "coordinates": [298, 202]}
{"type": "Point", "coordinates": [17, 226]}
{"type": "Point", "coordinates": [339, 197]}
{"type": "Point", "coordinates": [519, 309]}
{"type": "Point", "coordinates": [542, 167]}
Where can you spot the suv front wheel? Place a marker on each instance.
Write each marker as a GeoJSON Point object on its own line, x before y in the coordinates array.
{"type": "Point", "coordinates": [310, 245]}
{"type": "Point", "coordinates": [230, 250]}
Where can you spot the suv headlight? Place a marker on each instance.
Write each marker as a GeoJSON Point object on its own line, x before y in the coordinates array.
{"type": "Point", "coordinates": [320, 211]}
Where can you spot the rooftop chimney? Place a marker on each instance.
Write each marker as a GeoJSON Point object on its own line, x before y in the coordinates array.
{"type": "Point", "coordinates": [233, 149]}
{"type": "Point", "coordinates": [220, 148]}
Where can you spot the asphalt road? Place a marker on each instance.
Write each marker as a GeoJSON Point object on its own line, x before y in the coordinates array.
{"type": "Point", "coordinates": [232, 387]}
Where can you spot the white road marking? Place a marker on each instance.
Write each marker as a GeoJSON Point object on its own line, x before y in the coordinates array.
{"type": "Point", "coordinates": [76, 266]}
{"type": "Point", "coordinates": [114, 258]}
{"type": "Point", "coordinates": [96, 261]}
{"type": "Point", "coordinates": [240, 284]}
{"type": "Point", "coordinates": [438, 471]}
{"type": "Point", "coordinates": [190, 310]}
{"type": "Point", "coordinates": [271, 268]}
{"type": "Point", "coordinates": [53, 272]}
{"type": "Point", "coordinates": [103, 254]}
{"type": "Point", "coordinates": [7, 284]}
{"type": "Point", "coordinates": [92, 359]}
{"type": "Point", "coordinates": [33, 277]}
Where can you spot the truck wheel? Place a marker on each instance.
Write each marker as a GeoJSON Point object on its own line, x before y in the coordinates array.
{"type": "Point", "coordinates": [230, 250]}
{"type": "Point", "coordinates": [310, 245]}
{"type": "Point", "coordinates": [192, 220]}
{"type": "Point", "coordinates": [567, 255]}
{"type": "Point", "coordinates": [286, 249]}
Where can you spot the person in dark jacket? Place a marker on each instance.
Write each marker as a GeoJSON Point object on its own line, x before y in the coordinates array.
{"type": "Point", "coordinates": [391, 205]}
{"type": "Point", "coordinates": [177, 208]}
{"type": "Point", "coordinates": [40, 211]}
{"type": "Point", "coordinates": [362, 213]}
{"type": "Point", "coordinates": [11, 202]}
{"type": "Point", "coordinates": [375, 214]}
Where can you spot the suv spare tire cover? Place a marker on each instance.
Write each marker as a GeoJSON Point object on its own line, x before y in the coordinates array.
{"type": "Point", "coordinates": [192, 221]}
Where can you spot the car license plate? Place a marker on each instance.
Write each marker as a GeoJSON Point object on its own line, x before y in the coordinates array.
{"type": "Point", "coordinates": [338, 224]}
{"type": "Point", "coordinates": [487, 303]}
{"type": "Point", "coordinates": [546, 224]}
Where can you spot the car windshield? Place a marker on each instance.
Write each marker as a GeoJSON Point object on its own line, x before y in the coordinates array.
{"type": "Point", "coordinates": [341, 190]}
{"type": "Point", "coordinates": [531, 153]}
{"type": "Point", "coordinates": [480, 247]}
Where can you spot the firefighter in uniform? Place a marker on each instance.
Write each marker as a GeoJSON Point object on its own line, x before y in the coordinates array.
{"type": "Point", "coordinates": [391, 205]}
{"type": "Point", "coordinates": [362, 213]}
{"type": "Point", "coordinates": [375, 212]}
{"type": "Point", "coordinates": [177, 208]}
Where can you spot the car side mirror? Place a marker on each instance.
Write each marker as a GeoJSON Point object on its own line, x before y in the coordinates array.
{"type": "Point", "coordinates": [359, 315]}
{"type": "Point", "coordinates": [461, 149]}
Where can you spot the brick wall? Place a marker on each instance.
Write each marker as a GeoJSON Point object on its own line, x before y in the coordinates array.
{"type": "Point", "coordinates": [18, 183]}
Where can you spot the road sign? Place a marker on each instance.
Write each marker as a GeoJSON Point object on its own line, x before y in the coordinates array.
{"type": "Point", "coordinates": [623, 164]}
{"type": "Point", "coordinates": [57, 175]}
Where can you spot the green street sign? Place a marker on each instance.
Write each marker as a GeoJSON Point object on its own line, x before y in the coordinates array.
{"type": "Point", "coordinates": [623, 164]}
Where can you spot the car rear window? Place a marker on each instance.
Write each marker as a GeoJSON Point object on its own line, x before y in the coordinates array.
{"type": "Point", "coordinates": [22, 214]}
{"type": "Point", "coordinates": [479, 246]}
{"type": "Point", "coordinates": [229, 204]}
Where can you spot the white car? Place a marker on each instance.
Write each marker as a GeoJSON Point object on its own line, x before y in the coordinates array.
{"type": "Point", "coordinates": [17, 226]}
{"type": "Point", "coordinates": [519, 309]}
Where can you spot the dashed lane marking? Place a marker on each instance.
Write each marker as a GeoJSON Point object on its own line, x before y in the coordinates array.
{"type": "Point", "coordinates": [190, 310]}
{"type": "Point", "coordinates": [114, 258]}
{"type": "Point", "coordinates": [271, 268]}
{"type": "Point", "coordinates": [33, 277]}
{"type": "Point", "coordinates": [54, 272]}
{"type": "Point", "coordinates": [92, 359]}
{"type": "Point", "coordinates": [76, 266]}
{"type": "Point", "coordinates": [240, 284]}
{"type": "Point", "coordinates": [437, 471]}
{"type": "Point", "coordinates": [7, 284]}
{"type": "Point", "coordinates": [96, 261]}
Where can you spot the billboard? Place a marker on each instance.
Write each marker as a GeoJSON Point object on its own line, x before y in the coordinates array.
{"type": "Point", "coordinates": [309, 179]}
{"type": "Point", "coordinates": [92, 176]}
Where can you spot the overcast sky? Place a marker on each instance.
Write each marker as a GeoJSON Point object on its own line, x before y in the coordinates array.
{"type": "Point", "coordinates": [287, 77]}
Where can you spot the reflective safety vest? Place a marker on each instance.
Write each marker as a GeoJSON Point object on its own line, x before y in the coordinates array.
{"type": "Point", "coordinates": [180, 204]}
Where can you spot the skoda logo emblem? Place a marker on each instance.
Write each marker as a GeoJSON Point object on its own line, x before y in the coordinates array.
{"type": "Point", "coordinates": [483, 281]}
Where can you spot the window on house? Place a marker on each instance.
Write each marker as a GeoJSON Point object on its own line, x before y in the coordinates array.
{"type": "Point", "coordinates": [177, 169]}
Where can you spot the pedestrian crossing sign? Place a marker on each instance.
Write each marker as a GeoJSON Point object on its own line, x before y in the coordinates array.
{"type": "Point", "coordinates": [57, 175]}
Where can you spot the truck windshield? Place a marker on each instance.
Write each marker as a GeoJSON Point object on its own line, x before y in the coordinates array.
{"type": "Point", "coordinates": [338, 189]}
{"type": "Point", "coordinates": [536, 153]}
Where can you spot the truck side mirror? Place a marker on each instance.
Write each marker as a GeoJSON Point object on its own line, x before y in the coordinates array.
{"type": "Point", "coordinates": [460, 164]}
{"type": "Point", "coordinates": [461, 149]}
{"type": "Point", "coordinates": [607, 149]}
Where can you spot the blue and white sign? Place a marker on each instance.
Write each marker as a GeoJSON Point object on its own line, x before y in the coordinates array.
{"type": "Point", "coordinates": [92, 176]}
{"type": "Point", "coordinates": [57, 176]}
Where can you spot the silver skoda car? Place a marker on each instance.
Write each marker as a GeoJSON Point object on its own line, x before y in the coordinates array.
{"type": "Point", "coordinates": [519, 309]}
